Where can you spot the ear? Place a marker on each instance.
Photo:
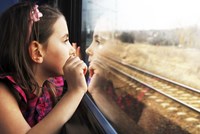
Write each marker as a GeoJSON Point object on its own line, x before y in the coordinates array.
{"type": "Point", "coordinates": [35, 52]}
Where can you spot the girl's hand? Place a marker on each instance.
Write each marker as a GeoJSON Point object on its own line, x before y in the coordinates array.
{"type": "Point", "coordinates": [74, 73]}
{"type": "Point", "coordinates": [97, 77]}
{"type": "Point", "coordinates": [78, 50]}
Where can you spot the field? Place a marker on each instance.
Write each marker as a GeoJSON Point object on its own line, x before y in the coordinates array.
{"type": "Point", "coordinates": [176, 63]}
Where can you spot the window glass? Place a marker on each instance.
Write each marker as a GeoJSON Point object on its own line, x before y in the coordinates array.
{"type": "Point", "coordinates": [6, 4]}
{"type": "Point", "coordinates": [160, 37]}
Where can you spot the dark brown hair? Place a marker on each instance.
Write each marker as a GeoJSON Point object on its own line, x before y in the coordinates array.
{"type": "Point", "coordinates": [14, 41]}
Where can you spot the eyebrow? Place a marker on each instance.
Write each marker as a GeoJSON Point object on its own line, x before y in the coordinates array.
{"type": "Point", "coordinates": [65, 36]}
{"type": "Point", "coordinates": [96, 36]}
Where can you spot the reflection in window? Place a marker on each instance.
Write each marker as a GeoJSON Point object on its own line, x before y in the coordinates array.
{"type": "Point", "coordinates": [158, 37]}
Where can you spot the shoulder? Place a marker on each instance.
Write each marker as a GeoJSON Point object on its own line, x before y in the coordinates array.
{"type": "Point", "coordinates": [11, 118]}
{"type": "Point", "coordinates": [7, 99]}
{"type": "Point", "coordinates": [9, 83]}
{"type": "Point", "coordinates": [6, 94]}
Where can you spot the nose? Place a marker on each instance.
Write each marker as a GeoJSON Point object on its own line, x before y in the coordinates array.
{"type": "Point", "coordinates": [89, 51]}
{"type": "Point", "coordinates": [72, 51]}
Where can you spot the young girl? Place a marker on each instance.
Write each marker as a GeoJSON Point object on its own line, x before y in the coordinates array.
{"type": "Point", "coordinates": [34, 48]}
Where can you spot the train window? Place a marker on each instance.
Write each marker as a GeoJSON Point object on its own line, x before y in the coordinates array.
{"type": "Point", "coordinates": [148, 53]}
{"type": "Point", "coordinates": [6, 3]}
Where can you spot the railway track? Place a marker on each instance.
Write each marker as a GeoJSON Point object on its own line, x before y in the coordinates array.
{"type": "Point", "coordinates": [186, 97]}
{"type": "Point", "coordinates": [181, 93]}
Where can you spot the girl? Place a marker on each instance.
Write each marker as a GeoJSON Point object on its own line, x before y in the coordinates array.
{"type": "Point", "coordinates": [34, 47]}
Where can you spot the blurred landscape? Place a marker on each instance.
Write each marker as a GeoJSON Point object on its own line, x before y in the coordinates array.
{"type": "Point", "coordinates": [181, 37]}
{"type": "Point", "coordinates": [173, 54]}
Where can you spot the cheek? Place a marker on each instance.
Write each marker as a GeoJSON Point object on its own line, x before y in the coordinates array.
{"type": "Point", "coordinates": [62, 57]}
{"type": "Point", "coordinates": [55, 59]}
{"type": "Point", "coordinates": [99, 47]}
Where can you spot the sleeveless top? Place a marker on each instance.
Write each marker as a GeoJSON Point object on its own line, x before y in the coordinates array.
{"type": "Point", "coordinates": [35, 108]}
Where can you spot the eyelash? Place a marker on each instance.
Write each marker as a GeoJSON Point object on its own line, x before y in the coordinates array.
{"type": "Point", "coordinates": [66, 40]}
{"type": "Point", "coordinates": [98, 42]}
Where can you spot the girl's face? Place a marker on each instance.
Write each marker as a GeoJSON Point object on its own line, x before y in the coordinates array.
{"type": "Point", "coordinates": [58, 49]}
{"type": "Point", "coordinates": [93, 46]}
{"type": "Point", "coordinates": [98, 41]}
{"type": "Point", "coordinates": [102, 34]}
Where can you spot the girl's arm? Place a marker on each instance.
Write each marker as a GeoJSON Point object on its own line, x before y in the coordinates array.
{"type": "Point", "coordinates": [12, 120]}
{"type": "Point", "coordinates": [74, 71]}
{"type": "Point", "coordinates": [60, 114]}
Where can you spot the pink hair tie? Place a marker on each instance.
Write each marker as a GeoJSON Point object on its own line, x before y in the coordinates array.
{"type": "Point", "coordinates": [35, 14]}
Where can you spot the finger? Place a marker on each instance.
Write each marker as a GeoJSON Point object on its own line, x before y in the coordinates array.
{"type": "Point", "coordinates": [78, 52]}
{"type": "Point", "coordinates": [77, 48]}
{"type": "Point", "coordinates": [74, 45]}
{"type": "Point", "coordinates": [70, 61]}
{"type": "Point", "coordinates": [80, 64]}
{"type": "Point", "coordinates": [91, 72]}
{"type": "Point", "coordinates": [84, 69]}
{"type": "Point", "coordinates": [96, 64]}
{"type": "Point", "coordinates": [96, 67]}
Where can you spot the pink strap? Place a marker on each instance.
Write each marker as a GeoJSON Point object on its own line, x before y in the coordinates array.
{"type": "Point", "coordinates": [17, 88]}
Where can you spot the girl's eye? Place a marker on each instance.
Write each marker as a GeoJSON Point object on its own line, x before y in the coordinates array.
{"type": "Point", "coordinates": [98, 42]}
{"type": "Point", "coordinates": [66, 41]}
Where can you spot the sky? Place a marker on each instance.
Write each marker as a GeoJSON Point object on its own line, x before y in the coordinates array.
{"type": "Point", "coordinates": [157, 14]}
